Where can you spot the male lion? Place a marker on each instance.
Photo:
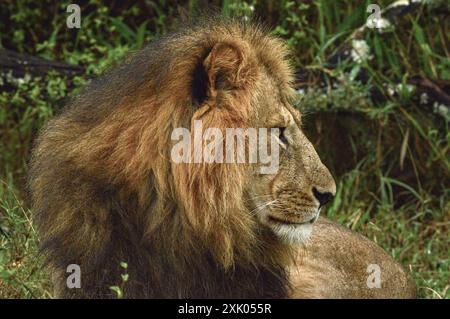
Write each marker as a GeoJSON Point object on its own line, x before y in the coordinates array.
{"type": "Point", "coordinates": [106, 191]}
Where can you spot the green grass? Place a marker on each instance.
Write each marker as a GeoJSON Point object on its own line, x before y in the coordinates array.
{"type": "Point", "coordinates": [21, 271]}
{"type": "Point", "coordinates": [390, 156]}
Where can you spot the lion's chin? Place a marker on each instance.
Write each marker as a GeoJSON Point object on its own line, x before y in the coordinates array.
{"type": "Point", "coordinates": [293, 234]}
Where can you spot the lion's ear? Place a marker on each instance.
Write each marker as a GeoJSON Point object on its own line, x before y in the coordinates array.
{"type": "Point", "coordinates": [226, 67]}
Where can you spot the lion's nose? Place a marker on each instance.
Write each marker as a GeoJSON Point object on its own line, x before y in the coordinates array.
{"type": "Point", "coordinates": [323, 198]}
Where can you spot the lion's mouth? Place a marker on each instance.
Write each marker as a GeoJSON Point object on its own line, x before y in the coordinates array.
{"type": "Point", "coordinates": [278, 220]}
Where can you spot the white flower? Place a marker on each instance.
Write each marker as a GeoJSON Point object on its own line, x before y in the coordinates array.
{"type": "Point", "coordinates": [441, 109]}
{"type": "Point", "coordinates": [382, 24]}
{"type": "Point", "coordinates": [360, 51]}
{"type": "Point", "coordinates": [390, 90]}
{"type": "Point", "coordinates": [378, 23]}
{"type": "Point", "coordinates": [404, 88]}
{"type": "Point", "coordinates": [423, 98]}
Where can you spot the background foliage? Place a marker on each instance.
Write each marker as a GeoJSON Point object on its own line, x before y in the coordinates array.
{"type": "Point", "coordinates": [389, 151]}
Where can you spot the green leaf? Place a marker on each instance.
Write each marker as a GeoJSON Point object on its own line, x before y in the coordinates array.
{"type": "Point", "coordinates": [118, 291]}
{"type": "Point", "coordinates": [124, 265]}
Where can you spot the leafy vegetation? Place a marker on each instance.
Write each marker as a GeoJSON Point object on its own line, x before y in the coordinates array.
{"type": "Point", "coordinates": [388, 150]}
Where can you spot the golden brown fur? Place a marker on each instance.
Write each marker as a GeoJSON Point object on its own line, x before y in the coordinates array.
{"type": "Point", "coordinates": [105, 189]}
{"type": "Point", "coordinates": [334, 263]}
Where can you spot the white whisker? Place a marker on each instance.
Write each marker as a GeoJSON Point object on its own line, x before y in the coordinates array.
{"type": "Point", "coordinates": [261, 207]}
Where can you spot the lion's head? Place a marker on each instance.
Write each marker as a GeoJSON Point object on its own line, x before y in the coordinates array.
{"type": "Point", "coordinates": [289, 201]}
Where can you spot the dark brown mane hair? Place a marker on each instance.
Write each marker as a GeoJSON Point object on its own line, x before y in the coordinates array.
{"type": "Point", "coordinates": [105, 190]}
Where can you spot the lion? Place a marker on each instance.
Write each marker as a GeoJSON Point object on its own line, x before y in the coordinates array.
{"type": "Point", "coordinates": [105, 190]}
